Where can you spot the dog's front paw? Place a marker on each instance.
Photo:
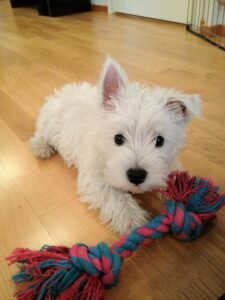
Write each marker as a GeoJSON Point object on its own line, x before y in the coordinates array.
{"type": "Point", "coordinates": [135, 219]}
{"type": "Point", "coordinates": [41, 148]}
{"type": "Point", "coordinates": [129, 216]}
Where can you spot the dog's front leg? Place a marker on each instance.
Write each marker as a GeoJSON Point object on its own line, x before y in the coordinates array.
{"type": "Point", "coordinates": [117, 208]}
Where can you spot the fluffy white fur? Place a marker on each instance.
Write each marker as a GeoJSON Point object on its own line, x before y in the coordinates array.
{"type": "Point", "coordinates": [80, 122]}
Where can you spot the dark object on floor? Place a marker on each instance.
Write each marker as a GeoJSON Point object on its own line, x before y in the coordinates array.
{"type": "Point", "coordinates": [56, 8]}
{"type": "Point", "coordinates": [222, 297]}
{"type": "Point", "coordinates": [19, 3]}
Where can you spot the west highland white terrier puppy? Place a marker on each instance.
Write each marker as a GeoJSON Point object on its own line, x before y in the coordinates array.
{"type": "Point", "coordinates": [121, 136]}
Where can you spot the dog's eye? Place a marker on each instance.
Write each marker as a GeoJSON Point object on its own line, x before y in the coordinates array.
{"type": "Point", "coordinates": [159, 141]}
{"type": "Point", "coordinates": [119, 139]}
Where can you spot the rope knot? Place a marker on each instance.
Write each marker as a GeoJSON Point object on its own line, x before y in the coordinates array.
{"type": "Point", "coordinates": [99, 261]}
{"type": "Point", "coordinates": [185, 225]}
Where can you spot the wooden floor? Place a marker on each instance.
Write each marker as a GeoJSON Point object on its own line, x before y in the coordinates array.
{"type": "Point", "coordinates": [38, 200]}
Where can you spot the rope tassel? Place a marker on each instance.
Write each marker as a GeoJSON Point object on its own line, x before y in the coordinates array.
{"type": "Point", "coordinates": [82, 272]}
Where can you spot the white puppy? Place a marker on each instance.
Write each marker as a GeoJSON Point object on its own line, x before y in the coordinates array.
{"type": "Point", "coordinates": [121, 136]}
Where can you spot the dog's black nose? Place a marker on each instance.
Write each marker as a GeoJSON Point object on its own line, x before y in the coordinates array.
{"type": "Point", "coordinates": [136, 176]}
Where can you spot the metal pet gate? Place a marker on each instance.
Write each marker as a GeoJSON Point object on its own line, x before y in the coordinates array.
{"type": "Point", "coordinates": [206, 19]}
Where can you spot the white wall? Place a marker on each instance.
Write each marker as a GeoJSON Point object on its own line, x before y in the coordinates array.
{"type": "Point", "coordinates": [170, 10]}
{"type": "Point", "coordinates": [99, 2]}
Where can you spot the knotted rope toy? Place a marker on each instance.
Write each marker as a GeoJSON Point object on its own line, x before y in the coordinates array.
{"type": "Point", "coordinates": [82, 272]}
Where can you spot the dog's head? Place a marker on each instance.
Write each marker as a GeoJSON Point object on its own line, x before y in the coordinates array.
{"type": "Point", "coordinates": [142, 129]}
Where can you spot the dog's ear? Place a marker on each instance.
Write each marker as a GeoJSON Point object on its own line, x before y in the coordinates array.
{"type": "Point", "coordinates": [186, 106]}
{"type": "Point", "coordinates": [113, 78]}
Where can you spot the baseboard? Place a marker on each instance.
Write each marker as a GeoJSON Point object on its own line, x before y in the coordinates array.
{"type": "Point", "coordinates": [102, 8]}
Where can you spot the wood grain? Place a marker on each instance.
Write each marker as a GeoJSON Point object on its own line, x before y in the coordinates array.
{"type": "Point", "coordinates": [38, 199]}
